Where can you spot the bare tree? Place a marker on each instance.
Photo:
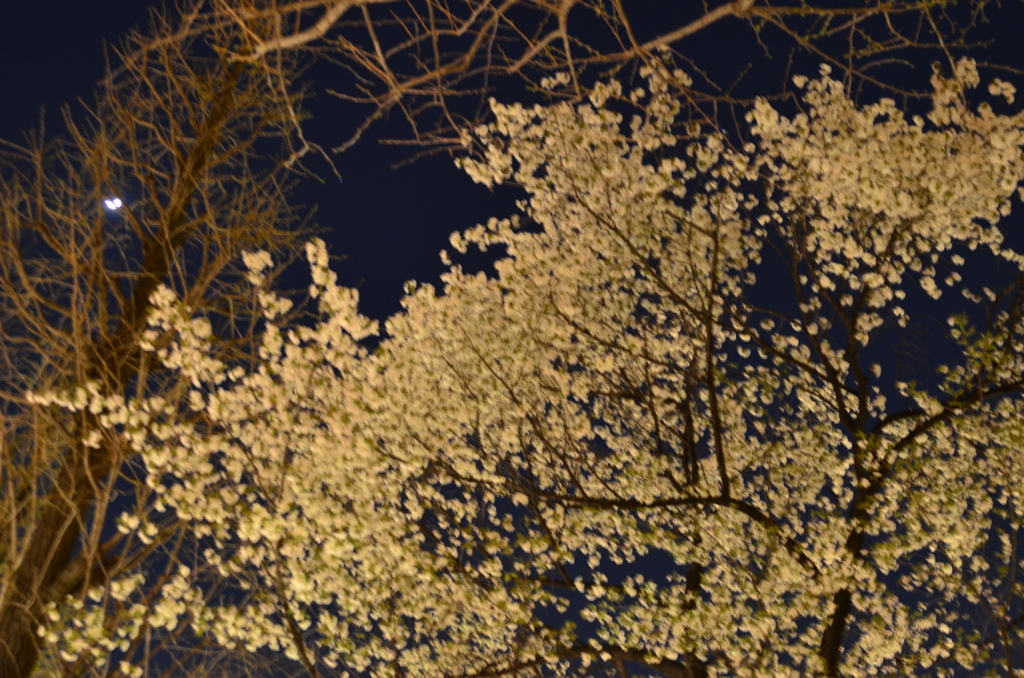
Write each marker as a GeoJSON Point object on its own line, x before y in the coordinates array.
{"type": "Point", "coordinates": [436, 62]}
{"type": "Point", "coordinates": [174, 171]}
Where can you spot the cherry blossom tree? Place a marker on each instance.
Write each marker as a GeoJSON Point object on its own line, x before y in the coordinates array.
{"type": "Point", "coordinates": [630, 450]}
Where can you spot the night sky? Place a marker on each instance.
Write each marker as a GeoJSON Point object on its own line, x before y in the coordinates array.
{"type": "Point", "coordinates": [388, 224]}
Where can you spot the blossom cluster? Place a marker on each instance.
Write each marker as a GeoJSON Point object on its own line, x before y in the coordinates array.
{"type": "Point", "coordinates": [530, 446]}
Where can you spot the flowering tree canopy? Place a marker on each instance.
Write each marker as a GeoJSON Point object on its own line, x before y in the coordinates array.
{"type": "Point", "coordinates": [631, 450]}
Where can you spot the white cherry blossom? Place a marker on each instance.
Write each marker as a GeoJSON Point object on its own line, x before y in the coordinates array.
{"type": "Point", "coordinates": [608, 453]}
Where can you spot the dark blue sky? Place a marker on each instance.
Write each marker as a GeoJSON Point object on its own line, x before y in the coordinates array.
{"type": "Point", "coordinates": [390, 224]}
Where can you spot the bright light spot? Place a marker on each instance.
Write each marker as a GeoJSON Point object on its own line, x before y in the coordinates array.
{"type": "Point", "coordinates": [112, 204]}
